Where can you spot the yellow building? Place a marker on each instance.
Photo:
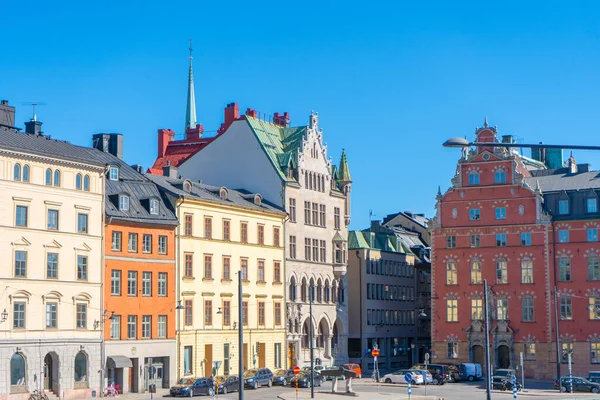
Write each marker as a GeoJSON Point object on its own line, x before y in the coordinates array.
{"type": "Point", "coordinates": [223, 232]}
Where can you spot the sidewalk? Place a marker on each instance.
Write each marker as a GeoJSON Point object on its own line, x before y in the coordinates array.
{"type": "Point", "coordinates": [323, 395]}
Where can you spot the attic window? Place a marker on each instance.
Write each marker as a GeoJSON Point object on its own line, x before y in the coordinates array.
{"type": "Point", "coordinates": [153, 206]}
{"type": "Point", "coordinates": [187, 186]}
{"type": "Point", "coordinates": [113, 173]}
{"type": "Point", "coordinates": [258, 199]}
{"type": "Point", "coordinates": [223, 193]}
{"type": "Point", "coordinates": [123, 203]}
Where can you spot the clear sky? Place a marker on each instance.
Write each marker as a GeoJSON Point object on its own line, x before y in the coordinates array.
{"type": "Point", "coordinates": [391, 80]}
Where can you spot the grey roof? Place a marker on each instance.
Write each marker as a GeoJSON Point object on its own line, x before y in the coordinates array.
{"type": "Point", "coordinates": [200, 191]}
{"type": "Point", "coordinates": [565, 181]}
{"type": "Point", "coordinates": [45, 146]}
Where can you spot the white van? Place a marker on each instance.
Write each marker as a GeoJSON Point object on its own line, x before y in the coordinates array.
{"type": "Point", "coordinates": [470, 371]}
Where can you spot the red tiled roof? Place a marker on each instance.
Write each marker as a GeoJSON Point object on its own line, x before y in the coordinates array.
{"type": "Point", "coordinates": [178, 152]}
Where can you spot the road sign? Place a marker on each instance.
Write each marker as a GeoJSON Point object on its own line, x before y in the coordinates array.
{"type": "Point", "coordinates": [296, 370]}
{"type": "Point", "coordinates": [408, 377]}
{"type": "Point", "coordinates": [375, 353]}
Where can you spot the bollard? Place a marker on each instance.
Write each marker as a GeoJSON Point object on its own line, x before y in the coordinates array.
{"type": "Point", "coordinates": [409, 390]}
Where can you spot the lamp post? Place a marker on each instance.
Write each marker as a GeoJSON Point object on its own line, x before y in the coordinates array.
{"type": "Point", "coordinates": [488, 372]}
{"type": "Point", "coordinates": [178, 309]}
{"type": "Point", "coordinates": [240, 338]}
{"type": "Point", "coordinates": [310, 338]}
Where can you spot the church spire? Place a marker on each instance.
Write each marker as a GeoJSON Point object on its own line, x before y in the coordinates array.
{"type": "Point", "coordinates": [343, 170]}
{"type": "Point", "coordinates": [190, 110]}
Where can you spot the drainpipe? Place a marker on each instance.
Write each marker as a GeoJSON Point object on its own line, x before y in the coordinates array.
{"type": "Point", "coordinates": [178, 286]}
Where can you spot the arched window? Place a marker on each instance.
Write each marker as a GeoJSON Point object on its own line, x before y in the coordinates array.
{"type": "Point", "coordinates": [81, 370]}
{"type": "Point", "coordinates": [452, 309]}
{"type": "Point", "coordinates": [311, 290]}
{"type": "Point", "coordinates": [48, 177]}
{"type": "Point", "coordinates": [319, 291]}
{"type": "Point", "coordinates": [501, 271]}
{"type": "Point", "coordinates": [476, 272]}
{"type": "Point", "coordinates": [528, 310]}
{"type": "Point", "coordinates": [593, 267]}
{"type": "Point", "coordinates": [323, 183]}
{"type": "Point", "coordinates": [334, 292]}
{"type": "Point", "coordinates": [303, 290]}
{"type": "Point", "coordinates": [26, 173]}
{"type": "Point", "coordinates": [341, 292]}
{"type": "Point", "coordinates": [451, 273]}
{"type": "Point", "coordinates": [17, 373]}
{"type": "Point", "coordinates": [86, 183]}
{"type": "Point", "coordinates": [293, 289]}
{"type": "Point", "coordinates": [57, 178]}
{"type": "Point", "coordinates": [527, 270]}
{"type": "Point", "coordinates": [17, 172]}
{"type": "Point", "coordinates": [473, 178]}
{"type": "Point", "coordinates": [327, 294]}
{"type": "Point", "coordinates": [78, 182]}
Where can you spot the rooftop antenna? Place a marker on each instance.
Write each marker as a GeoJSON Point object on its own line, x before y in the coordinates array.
{"type": "Point", "coordinates": [33, 105]}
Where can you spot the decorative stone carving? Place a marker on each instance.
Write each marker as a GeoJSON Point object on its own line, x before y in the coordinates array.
{"type": "Point", "coordinates": [454, 213]}
{"type": "Point", "coordinates": [521, 209]}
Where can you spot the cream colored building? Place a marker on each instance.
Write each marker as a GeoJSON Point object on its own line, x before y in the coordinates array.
{"type": "Point", "coordinates": [51, 224]}
{"type": "Point", "coordinates": [221, 232]}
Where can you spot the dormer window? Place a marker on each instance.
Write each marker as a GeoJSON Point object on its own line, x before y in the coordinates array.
{"type": "Point", "coordinates": [187, 186]}
{"type": "Point", "coordinates": [591, 205]}
{"type": "Point", "coordinates": [113, 173]}
{"type": "Point", "coordinates": [563, 207]}
{"type": "Point", "coordinates": [123, 203]}
{"type": "Point", "coordinates": [153, 206]}
{"type": "Point", "coordinates": [257, 200]}
{"type": "Point", "coordinates": [223, 193]}
{"type": "Point", "coordinates": [474, 178]}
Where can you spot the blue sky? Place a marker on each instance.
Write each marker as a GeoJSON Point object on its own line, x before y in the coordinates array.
{"type": "Point", "coordinates": [391, 80]}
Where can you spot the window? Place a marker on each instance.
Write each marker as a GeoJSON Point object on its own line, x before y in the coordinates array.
{"type": "Point", "coordinates": [526, 270]}
{"type": "Point", "coordinates": [529, 350]}
{"type": "Point", "coordinates": [187, 360]}
{"type": "Point", "coordinates": [276, 272]}
{"type": "Point", "coordinates": [115, 282]}
{"type": "Point", "coordinates": [17, 172]}
{"type": "Point", "coordinates": [307, 249]}
{"type": "Point", "coordinates": [500, 212]}
{"type": "Point", "coordinates": [52, 265]}
{"type": "Point", "coordinates": [188, 313]}
{"type": "Point", "coordinates": [124, 203]}
{"type": "Point", "coordinates": [336, 218]}
{"type": "Point", "coordinates": [78, 182]}
{"type": "Point", "coordinates": [591, 205]}
{"type": "Point", "coordinates": [473, 178]}
{"type": "Point", "coordinates": [592, 234]}
{"type": "Point", "coordinates": [452, 310]}
{"type": "Point", "coordinates": [474, 214]}
{"type": "Point", "coordinates": [82, 268]}
{"type": "Point", "coordinates": [116, 241]}
{"type": "Point", "coordinates": [323, 250]}
{"type": "Point", "coordinates": [208, 227]}
{"type": "Point", "coordinates": [21, 216]}
{"type": "Point", "coordinates": [162, 244]}
{"type": "Point", "coordinates": [292, 210]}
{"type": "Point", "coordinates": [115, 327]}
{"type": "Point", "coordinates": [501, 271]}
{"type": "Point", "coordinates": [19, 315]}
{"type": "Point", "coordinates": [500, 239]}
{"type": "Point", "coordinates": [322, 215]}
{"type": "Point", "coordinates": [277, 313]}
{"type": "Point", "coordinates": [564, 269]}
{"type": "Point", "coordinates": [593, 270]}
{"type": "Point", "coordinates": [244, 268]}
{"type": "Point", "coordinates": [451, 273]}
{"type": "Point", "coordinates": [476, 309]}
{"type": "Point", "coordinates": [566, 307]}
{"type": "Point", "coordinates": [476, 272]}
{"type": "Point", "coordinates": [208, 312]}
{"type": "Point", "coordinates": [450, 242]}
{"type": "Point", "coordinates": [113, 173]}
{"type": "Point", "coordinates": [86, 183]}
{"type": "Point", "coordinates": [502, 309]}
{"type": "Point", "coordinates": [595, 352]}
{"type": "Point", "coordinates": [48, 177]}
{"type": "Point", "coordinates": [52, 220]}
{"type": "Point", "coordinates": [82, 223]}
{"type": "Point", "coordinates": [244, 232]}
{"type": "Point", "coordinates": [162, 283]}
{"type": "Point", "coordinates": [154, 207]}
{"type": "Point", "coordinates": [132, 283]}
{"type": "Point", "coordinates": [261, 271]}
{"type": "Point", "coordinates": [20, 263]}
{"type": "Point", "coordinates": [567, 348]}
{"type": "Point", "coordinates": [277, 355]}
{"type": "Point", "coordinates": [293, 247]}
{"type": "Point", "coordinates": [563, 236]}
{"type": "Point", "coordinates": [261, 313]}
{"type": "Point", "coordinates": [315, 214]}
{"type": "Point", "coordinates": [315, 249]}
{"type": "Point", "coordinates": [188, 224]}
{"type": "Point", "coordinates": [132, 243]}
{"type": "Point", "coordinates": [57, 178]}
{"type": "Point", "coordinates": [227, 313]}
{"type": "Point", "coordinates": [81, 316]}
{"type": "Point", "coordinates": [146, 283]}
{"type": "Point", "coordinates": [245, 313]}
{"type": "Point", "coordinates": [594, 308]}
{"type": "Point", "coordinates": [500, 176]}
{"type": "Point", "coordinates": [307, 212]}
{"type": "Point", "coordinates": [475, 241]}
{"type": "Point", "coordinates": [132, 327]}
{"type": "Point", "coordinates": [563, 207]}
{"type": "Point", "coordinates": [227, 268]}
{"type": "Point", "coordinates": [146, 326]}
{"type": "Point", "coordinates": [207, 266]}
{"type": "Point", "coordinates": [276, 236]}
{"type": "Point", "coordinates": [162, 326]}
{"type": "Point", "coordinates": [452, 350]}
{"type": "Point", "coordinates": [146, 243]}
{"type": "Point", "coordinates": [26, 173]}
{"type": "Point", "coordinates": [189, 265]}
{"type": "Point", "coordinates": [527, 306]}
{"type": "Point", "coordinates": [261, 235]}
{"type": "Point", "coordinates": [81, 370]}
{"type": "Point", "coordinates": [525, 239]}
{"type": "Point", "coordinates": [226, 229]}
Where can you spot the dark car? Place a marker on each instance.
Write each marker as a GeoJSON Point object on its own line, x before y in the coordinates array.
{"type": "Point", "coordinates": [254, 378]}
{"type": "Point", "coordinates": [192, 387]}
{"type": "Point", "coordinates": [440, 372]}
{"type": "Point", "coordinates": [228, 384]}
{"type": "Point", "coordinates": [579, 383]}
{"type": "Point", "coordinates": [282, 376]}
{"type": "Point", "coordinates": [594, 376]}
{"type": "Point", "coordinates": [303, 379]}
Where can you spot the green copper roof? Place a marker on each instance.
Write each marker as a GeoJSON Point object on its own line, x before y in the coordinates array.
{"type": "Point", "coordinates": [372, 240]}
{"type": "Point", "coordinates": [344, 172]}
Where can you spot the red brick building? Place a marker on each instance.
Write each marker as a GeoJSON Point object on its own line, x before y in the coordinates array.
{"type": "Point", "coordinates": [501, 221]}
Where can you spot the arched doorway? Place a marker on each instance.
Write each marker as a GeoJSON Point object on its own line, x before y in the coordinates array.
{"type": "Point", "coordinates": [478, 356]}
{"type": "Point", "coordinates": [51, 372]}
{"type": "Point", "coordinates": [503, 356]}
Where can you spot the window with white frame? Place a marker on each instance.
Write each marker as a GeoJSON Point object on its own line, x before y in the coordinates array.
{"type": "Point", "coordinates": [564, 269]}
{"type": "Point", "coordinates": [132, 327]}
{"type": "Point", "coordinates": [116, 241]}
{"type": "Point", "coordinates": [499, 176]}
{"type": "Point", "coordinates": [452, 310]}
{"type": "Point", "coordinates": [452, 350]}
{"type": "Point", "coordinates": [592, 234]}
{"type": "Point", "coordinates": [123, 203]}
{"type": "Point", "coordinates": [115, 327]}
{"type": "Point", "coordinates": [526, 270]}
{"type": "Point", "coordinates": [593, 267]}
{"type": "Point", "coordinates": [451, 273]}
{"type": "Point", "coordinates": [477, 308]}
{"type": "Point", "coordinates": [563, 207]}
{"type": "Point", "coordinates": [162, 326]}
{"type": "Point", "coordinates": [146, 326]}
{"type": "Point", "coordinates": [595, 352]}
{"type": "Point", "coordinates": [113, 173]}
{"type": "Point", "coordinates": [474, 214]}
{"type": "Point", "coordinates": [162, 244]}
{"type": "Point", "coordinates": [529, 350]}
{"type": "Point", "coordinates": [591, 205]}
{"type": "Point", "coordinates": [566, 307]}
{"type": "Point", "coordinates": [146, 243]}
{"type": "Point", "coordinates": [594, 307]}
{"type": "Point", "coordinates": [502, 308]}
{"type": "Point", "coordinates": [476, 272]}
{"type": "Point", "coordinates": [162, 283]}
{"type": "Point", "coordinates": [527, 306]}
{"type": "Point", "coordinates": [500, 212]}
{"type": "Point", "coordinates": [154, 206]}
{"type": "Point", "coordinates": [146, 283]}
{"type": "Point", "coordinates": [501, 271]}
{"type": "Point", "coordinates": [473, 178]}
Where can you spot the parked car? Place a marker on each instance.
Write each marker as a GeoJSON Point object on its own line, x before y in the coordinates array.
{"type": "Point", "coordinates": [355, 368]}
{"type": "Point", "coordinates": [454, 373]}
{"type": "Point", "coordinates": [282, 376]}
{"type": "Point", "coordinates": [253, 378]}
{"type": "Point", "coordinates": [594, 376]}
{"type": "Point", "coordinates": [228, 384]}
{"type": "Point", "coordinates": [315, 368]}
{"type": "Point", "coordinates": [303, 379]}
{"type": "Point", "coordinates": [339, 378]}
{"type": "Point", "coordinates": [426, 375]}
{"type": "Point", "coordinates": [580, 384]}
{"type": "Point", "coordinates": [469, 371]}
{"type": "Point", "coordinates": [440, 372]}
{"type": "Point", "coordinates": [193, 387]}
{"type": "Point", "coordinates": [398, 377]}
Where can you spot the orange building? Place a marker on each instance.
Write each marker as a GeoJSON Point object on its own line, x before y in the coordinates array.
{"type": "Point", "coordinates": [139, 279]}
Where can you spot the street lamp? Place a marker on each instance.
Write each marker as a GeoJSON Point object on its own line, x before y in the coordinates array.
{"type": "Point", "coordinates": [179, 308]}
{"type": "Point", "coordinates": [240, 337]}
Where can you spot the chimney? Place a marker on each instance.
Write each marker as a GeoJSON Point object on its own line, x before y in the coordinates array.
{"type": "Point", "coordinates": [138, 168]}
{"type": "Point", "coordinates": [251, 113]}
{"type": "Point", "coordinates": [164, 137]}
{"type": "Point", "coordinates": [7, 115]}
{"type": "Point", "coordinates": [33, 127]}
{"type": "Point", "coordinates": [232, 113]}
{"type": "Point", "coordinates": [281, 120]}
{"type": "Point", "coordinates": [170, 171]}
{"type": "Point", "coordinates": [109, 143]}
